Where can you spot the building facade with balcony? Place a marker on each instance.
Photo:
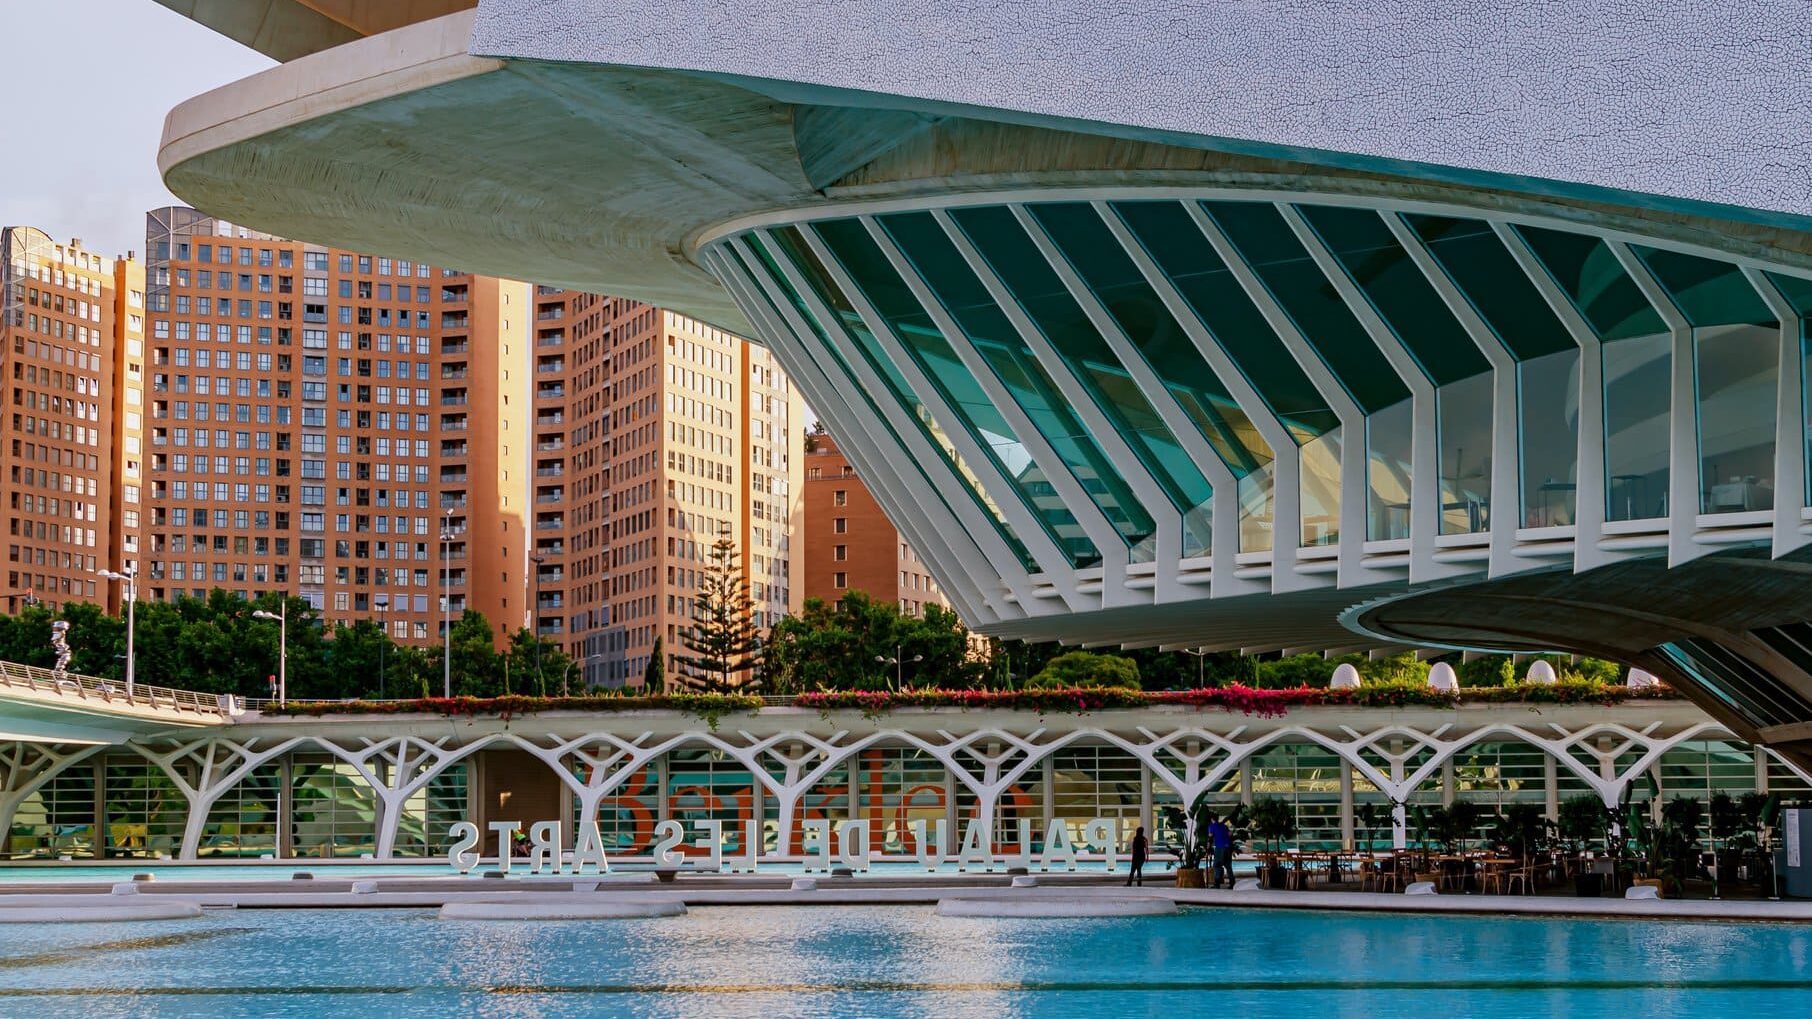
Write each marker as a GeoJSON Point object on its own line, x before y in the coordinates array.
{"type": "Point", "coordinates": [72, 361]}
{"type": "Point", "coordinates": [343, 426]}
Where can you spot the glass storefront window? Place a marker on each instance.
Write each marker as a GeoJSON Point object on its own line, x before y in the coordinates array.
{"type": "Point", "coordinates": [144, 811]}
{"type": "Point", "coordinates": [243, 822]}
{"type": "Point", "coordinates": [1736, 366]}
{"type": "Point", "coordinates": [57, 820]}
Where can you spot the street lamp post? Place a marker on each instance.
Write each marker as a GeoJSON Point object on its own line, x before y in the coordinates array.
{"type": "Point", "coordinates": [898, 663]}
{"type": "Point", "coordinates": [1201, 658]}
{"type": "Point", "coordinates": [282, 621]}
{"type": "Point", "coordinates": [446, 604]}
{"type": "Point", "coordinates": [130, 576]}
{"type": "Point", "coordinates": [384, 638]}
{"type": "Point", "coordinates": [568, 674]}
{"type": "Point", "coordinates": [535, 617]}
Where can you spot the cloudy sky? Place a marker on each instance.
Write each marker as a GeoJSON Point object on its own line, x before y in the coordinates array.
{"type": "Point", "coordinates": [90, 81]}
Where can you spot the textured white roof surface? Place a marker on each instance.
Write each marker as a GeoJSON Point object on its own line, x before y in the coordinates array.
{"type": "Point", "coordinates": [1685, 99]}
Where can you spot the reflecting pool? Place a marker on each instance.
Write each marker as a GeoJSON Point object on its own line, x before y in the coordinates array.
{"type": "Point", "coordinates": [903, 961]}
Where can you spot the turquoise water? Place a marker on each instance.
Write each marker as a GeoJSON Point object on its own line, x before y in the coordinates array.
{"type": "Point", "coordinates": [849, 962]}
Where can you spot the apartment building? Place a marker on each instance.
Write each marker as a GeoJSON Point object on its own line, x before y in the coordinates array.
{"type": "Point", "coordinates": [343, 426]}
{"type": "Point", "coordinates": [654, 434]}
{"type": "Point", "coordinates": [72, 351]}
{"type": "Point", "coordinates": [850, 545]}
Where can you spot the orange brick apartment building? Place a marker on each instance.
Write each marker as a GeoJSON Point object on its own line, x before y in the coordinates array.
{"type": "Point", "coordinates": [849, 543]}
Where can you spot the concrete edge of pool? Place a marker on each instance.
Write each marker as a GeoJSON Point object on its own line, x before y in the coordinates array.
{"type": "Point", "coordinates": [565, 907]}
{"type": "Point", "coordinates": [427, 892]}
{"type": "Point", "coordinates": [1050, 906]}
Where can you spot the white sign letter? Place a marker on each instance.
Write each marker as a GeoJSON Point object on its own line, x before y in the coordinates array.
{"type": "Point", "coordinates": [669, 835]}
{"type": "Point", "coordinates": [752, 839]}
{"type": "Point", "coordinates": [504, 830]}
{"type": "Point", "coordinates": [544, 847]}
{"type": "Point", "coordinates": [931, 854]}
{"type": "Point", "coordinates": [465, 836]}
{"type": "Point", "coordinates": [852, 844]}
{"type": "Point", "coordinates": [1057, 845]}
{"type": "Point", "coordinates": [1100, 833]}
{"type": "Point", "coordinates": [817, 844]}
{"type": "Point", "coordinates": [974, 848]}
{"type": "Point", "coordinates": [712, 844]}
{"type": "Point", "coordinates": [590, 849]}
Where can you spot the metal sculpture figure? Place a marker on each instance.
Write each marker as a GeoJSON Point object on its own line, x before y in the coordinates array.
{"type": "Point", "coordinates": [59, 639]}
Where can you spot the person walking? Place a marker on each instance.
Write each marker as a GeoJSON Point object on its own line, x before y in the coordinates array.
{"type": "Point", "coordinates": [1141, 848]}
{"type": "Point", "coordinates": [1220, 838]}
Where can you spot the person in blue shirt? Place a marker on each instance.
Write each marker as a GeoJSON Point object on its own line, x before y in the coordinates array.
{"type": "Point", "coordinates": [1220, 838]}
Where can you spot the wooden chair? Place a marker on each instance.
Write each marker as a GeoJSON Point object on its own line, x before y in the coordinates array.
{"type": "Point", "coordinates": [1524, 876]}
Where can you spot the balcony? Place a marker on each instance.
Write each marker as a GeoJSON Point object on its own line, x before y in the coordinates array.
{"type": "Point", "coordinates": [548, 445]}
{"type": "Point", "coordinates": [550, 498]}
{"type": "Point", "coordinates": [550, 367]}
{"type": "Point", "coordinates": [549, 420]}
{"type": "Point", "coordinates": [453, 478]}
{"type": "Point", "coordinates": [449, 373]}
{"type": "Point", "coordinates": [550, 525]}
{"type": "Point", "coordinates": [453, 400]}
{"type": "Point", "coordinates": [550, 393]}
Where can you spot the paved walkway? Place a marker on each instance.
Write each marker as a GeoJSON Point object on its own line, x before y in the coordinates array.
{"type": "Point", "coordinates": [697, 890]}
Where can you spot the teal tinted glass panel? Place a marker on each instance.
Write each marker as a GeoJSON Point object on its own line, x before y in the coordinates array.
{"type": "Point", "coordinates": [1638, 378]}
{"type": "Point", "coordinates": [1485, 272]}
{"type": "Point", "coordinates": [1707, 292]}
{"type": "Point", "coordinates": [1038, 292]}
{"type": "Point", "coordinates": [1737, 372]}
{"type": "Point", "coordinates": [1364, 246]}
{"type": "Point", "coordinates": [1588, 272]}
{"type": "Point", "coordinates": [1255, 508]}
{"type": "Point", "coordinates": [1017, 367]}
{"type": "Point", "coordinates": [1387, 441]}
{"type": "Point", "coordinates": [806, 263]}
{"type": "Point", "coordinates": [1320, 490]}
{"type": "Point", "coordinates": [1293, 279]}
{"type": "Point", "coordinates": [1463, 415]}
{"type": "Point", "coordinates": [1548, 402]}
{"type": "Point", "coordinates": [1179, 249]}
{"type": "Point", "coordinates": [861, 257]}
{"type": "Point", "coordinates": [1110, 274]}
{"type": "Point", "coordinates": [1798, 292]}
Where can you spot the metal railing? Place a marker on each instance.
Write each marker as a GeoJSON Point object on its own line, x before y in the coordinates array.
{"type": "Point", "coordinates": [109, 691]}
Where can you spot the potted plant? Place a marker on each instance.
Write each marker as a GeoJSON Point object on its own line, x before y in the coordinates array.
{"type": "Point", "coordinates": [1273, 820]}
{"type": "Point", "coordinates": [1194, 846]}
{"type": "Point", "coordinates": [1582, 820]}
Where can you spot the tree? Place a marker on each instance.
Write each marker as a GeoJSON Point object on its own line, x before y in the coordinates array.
{"type": "Point", "coordinates": [724, 649]}
{"type": "Point", "coordinates": [654, 677]}
{"type": "Point", "coordinates": [854, 643]}
{"type": "Point", "coordinates": [521, 661]}
{"type": "Point", "coordinates": [1086, 669]}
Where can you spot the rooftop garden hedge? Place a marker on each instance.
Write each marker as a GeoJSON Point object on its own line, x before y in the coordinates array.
{"type": "Point", "coordinates": [875, 703]}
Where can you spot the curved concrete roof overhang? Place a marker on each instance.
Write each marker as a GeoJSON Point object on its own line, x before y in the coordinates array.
{"type": "Point", "coordinates": [606, 176]}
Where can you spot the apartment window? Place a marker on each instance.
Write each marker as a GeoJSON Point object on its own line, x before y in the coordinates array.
{"type": "Point", "coordinates": [840, 580]}
{"type": "Point", "coordinates": [840, 553]}
{"type": "Point", "coordinates": [840, 497]}
{"type": "Point", "coordinates": [840, 525]}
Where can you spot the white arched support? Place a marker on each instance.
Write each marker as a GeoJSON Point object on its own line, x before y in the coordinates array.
{"type": "Point", "coordinates": [25, 767]}
{"type": "Point", "coordinates": [204, 770]}
{"type": "Point", "coordinates": [1190, 759]}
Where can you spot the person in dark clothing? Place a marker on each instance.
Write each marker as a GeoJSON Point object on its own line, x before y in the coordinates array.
{"type": "Point", "coordinates": [1141, 848]}
{"type": "Point", "coordinates": [1220, 839]}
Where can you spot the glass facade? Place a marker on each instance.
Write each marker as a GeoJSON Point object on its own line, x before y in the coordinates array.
{"type": "Point", "coordinates": [1736, 366]}
{"type": "Point", "coordinates": [1185, 330]}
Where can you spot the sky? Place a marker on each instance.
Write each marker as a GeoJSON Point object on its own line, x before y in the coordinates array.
{"type": "Point", "coordinates": [81, 151]}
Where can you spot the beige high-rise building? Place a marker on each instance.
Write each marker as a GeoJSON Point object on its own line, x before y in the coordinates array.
{"type": "Point", "coordinates": [654, 434]}
{"type": "Point", "coordinates": [346, 427]}
{"type": "Point", "coordinates": [72, 346]}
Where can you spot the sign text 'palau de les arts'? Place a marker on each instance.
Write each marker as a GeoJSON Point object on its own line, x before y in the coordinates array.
{"type": "Point", "coordinates": [852, 846]}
